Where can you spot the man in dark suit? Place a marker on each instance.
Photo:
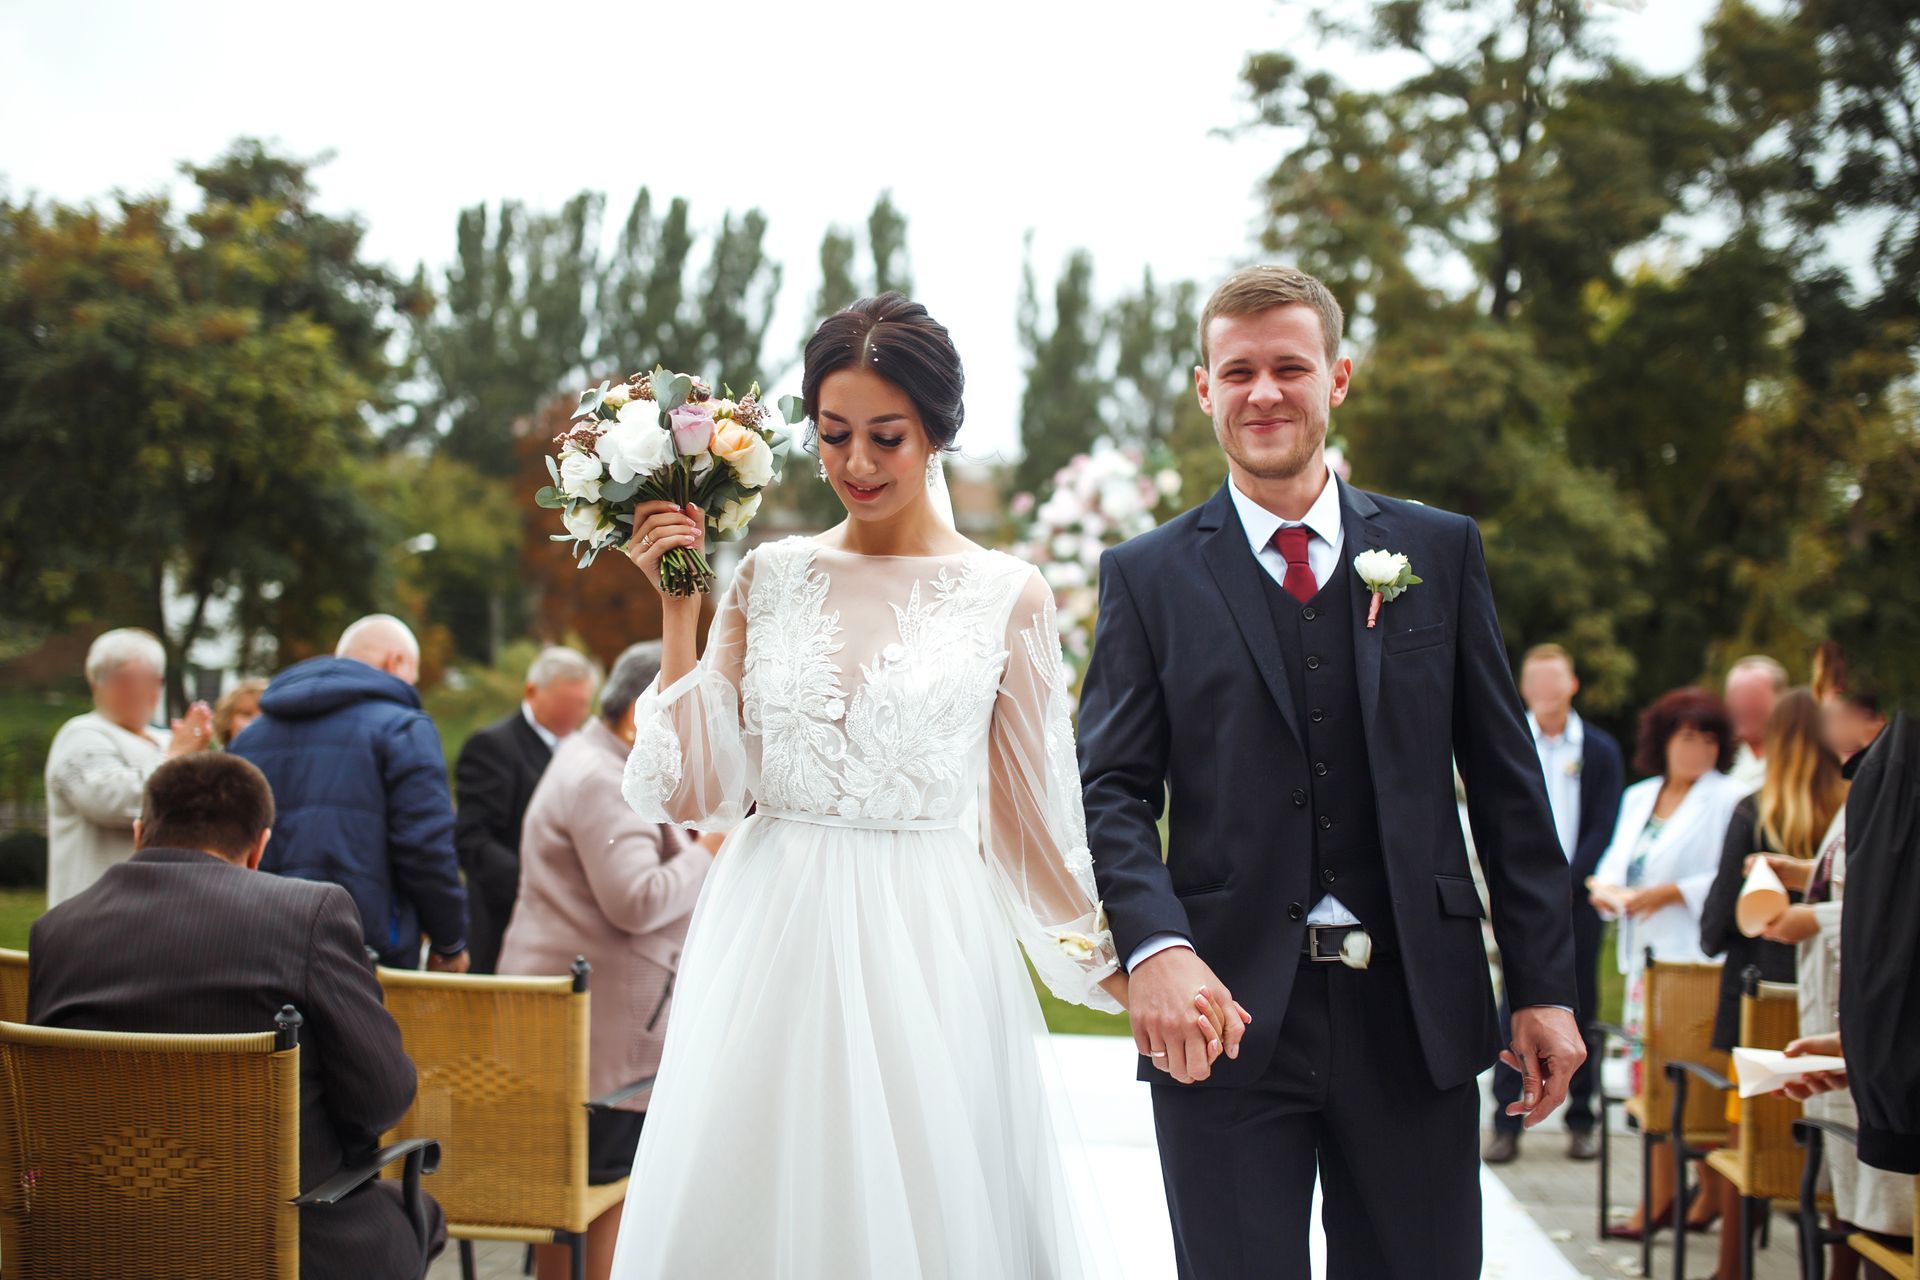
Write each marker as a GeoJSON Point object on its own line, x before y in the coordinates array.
{"type": "Point", "coordinates": [1306, 733]}
{"type": "Point", "coordinates": [499, 767]}
{"type": "Point", "coordinates": [1585, 774]}
{"type": "Point", "coordinates": [187, 938]}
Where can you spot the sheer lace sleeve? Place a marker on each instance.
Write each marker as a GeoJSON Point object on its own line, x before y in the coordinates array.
{"type": "Point", "coordinates": [692, 763]}
{"type": "Point", "coordinates": [1033, 827]}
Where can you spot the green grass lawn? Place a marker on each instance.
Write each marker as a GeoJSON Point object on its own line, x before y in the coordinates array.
{"type": "Point", "coordinates": [19, 908]}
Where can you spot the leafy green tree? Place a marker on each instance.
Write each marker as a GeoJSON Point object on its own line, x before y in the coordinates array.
{"type": "Point", "coordinates": [200, 386]}
{"type": "Point", "coordinates": [513, 325]}
{"type": "Point", "coordinates": [838, 289]}
{"type": "Point", "coordinates": [1061, 408]}
{"type": "Point", "coordinates": [887, 239]}
{"type": "Point", "coordinates": [642, 295]}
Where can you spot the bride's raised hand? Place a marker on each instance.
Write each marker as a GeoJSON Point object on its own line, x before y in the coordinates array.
{"type": "Point", "coordinates": [659, 527]}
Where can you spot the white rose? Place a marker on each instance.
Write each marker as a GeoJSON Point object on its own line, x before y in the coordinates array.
{"type": "Point", "coordinates": [588, 524]}
{"type": "Point", "coordinates": [617, 394]}
{"type": "Point", "coordinates": [1379, 568]}
{"type": "Point", "coordinates": [735, 513]}
{"type": "Point", "coordinates": [634, 444]}
{"type": "Point", "coordinates": [580, 475]}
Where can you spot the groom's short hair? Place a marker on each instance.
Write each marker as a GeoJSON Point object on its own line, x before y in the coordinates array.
{"type": "Point", "coordinates": [1251, 290]}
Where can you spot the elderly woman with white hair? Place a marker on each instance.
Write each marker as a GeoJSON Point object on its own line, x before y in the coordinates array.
{"type": "Point", "coordinates": [99, 762]}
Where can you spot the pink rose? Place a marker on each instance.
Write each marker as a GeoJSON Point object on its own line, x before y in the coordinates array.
{"type": "Point", "coordinates": [692, 427]}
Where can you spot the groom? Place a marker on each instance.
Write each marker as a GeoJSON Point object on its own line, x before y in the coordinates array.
{"type": "Point", "coordinates": [1315, 870]}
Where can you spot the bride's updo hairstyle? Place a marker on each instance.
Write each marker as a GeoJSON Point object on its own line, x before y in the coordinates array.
{"type": "Point", "coordinates": [897, 339]}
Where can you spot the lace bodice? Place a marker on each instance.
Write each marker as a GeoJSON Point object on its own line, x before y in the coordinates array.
{"type": "Point", "coordinates": [897, 693]}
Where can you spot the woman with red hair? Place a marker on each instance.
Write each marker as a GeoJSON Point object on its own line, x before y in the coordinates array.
{"type": "Point", "coordinates": [1655, 876]}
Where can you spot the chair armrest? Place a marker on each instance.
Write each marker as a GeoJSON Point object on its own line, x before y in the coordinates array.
{"type": "Point", "coordinates": [347, 1181]}
{"type": "Point", "coordinates": [1804, 1125]}
{"type": "Point", "coordinates": [620, 1095]}
{"type": "Point", "coordinates": [1614, 1031]}
{"type": "Point", "coordinates": [1712, 1078]}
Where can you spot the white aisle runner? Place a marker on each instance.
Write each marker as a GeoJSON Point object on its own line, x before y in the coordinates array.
{"type": "Point", "coordinates": [1123, 1197]}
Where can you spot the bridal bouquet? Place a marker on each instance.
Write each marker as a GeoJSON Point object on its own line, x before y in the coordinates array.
{"type": "Point", "coordinates": [664, 437]}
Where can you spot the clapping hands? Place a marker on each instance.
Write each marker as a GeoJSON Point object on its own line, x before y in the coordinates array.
{"type": "Point", "coordinates": [1183, 1016]}
{"type": "Point", "coordinates": [192, 731]}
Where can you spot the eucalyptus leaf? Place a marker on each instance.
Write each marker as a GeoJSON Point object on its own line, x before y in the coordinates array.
{"type": "Point", "coordinates": [550, 498]}
{"type": "Point", "coordinates": [552, 468]}
{"type": "Point", "coordinates": [793, 409]}
{"type": "Point", "coordinates": [619, 490]}
{"type": "Point", "coordinates": [674, 393]}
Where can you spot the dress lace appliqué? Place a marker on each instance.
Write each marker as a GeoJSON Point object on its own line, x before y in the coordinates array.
{"type": "Point", "coordinates": [923, 704]}
{"type": "Point", "coordinates": [791, 691]}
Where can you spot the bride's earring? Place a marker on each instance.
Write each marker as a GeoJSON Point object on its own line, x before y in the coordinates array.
{"type": "Point", "coordinates": [933, 468]}
{"type": "Point", "coordinates": [822, 469]}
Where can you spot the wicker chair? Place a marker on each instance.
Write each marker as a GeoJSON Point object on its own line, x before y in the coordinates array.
{"type": "Point", "coordinates": [502, 1065]}
{"type": "Point", "coordinates": [1895, 1258]}
{"type": "Point", "coordinates": [13, 985]}
{"type": "Point", "coordinates": [129, 1154]}
{"type": "Point", "coordinates": [1681, 1000]}
{"type": "Point", "coordinates": [1766, 1163]}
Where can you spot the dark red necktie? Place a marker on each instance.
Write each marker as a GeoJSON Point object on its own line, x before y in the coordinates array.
{"type": "Point", "coordinates": [1291, 542]}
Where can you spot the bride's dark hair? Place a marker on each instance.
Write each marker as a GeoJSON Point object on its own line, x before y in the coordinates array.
{"type": "Point", "coordinates": [897, 339]}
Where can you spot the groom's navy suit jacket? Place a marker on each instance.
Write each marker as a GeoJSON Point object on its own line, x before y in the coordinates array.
{"type": "Point", "coordinates": [1186, 704]}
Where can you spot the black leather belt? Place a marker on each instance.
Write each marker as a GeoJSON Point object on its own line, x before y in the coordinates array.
{"type": "Point", "coordinates": [1322, 945]}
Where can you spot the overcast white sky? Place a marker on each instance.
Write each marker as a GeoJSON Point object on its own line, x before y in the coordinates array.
{"type": "Point", "coordinates": [1090, 124]}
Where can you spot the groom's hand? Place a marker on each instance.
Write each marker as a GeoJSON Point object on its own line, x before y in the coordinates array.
{"type": "Point", "coordinates": [1547, 1050]}
{"type": "Point", "coordinates": [1183, 1016]}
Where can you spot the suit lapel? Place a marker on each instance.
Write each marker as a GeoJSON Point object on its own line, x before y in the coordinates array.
{"type": "Point", "coordinates": [1360, 525]}
{"type": "Point", "coordinates": [534, 752]}
{"type": "Point", "coordinates": [1223, 546]}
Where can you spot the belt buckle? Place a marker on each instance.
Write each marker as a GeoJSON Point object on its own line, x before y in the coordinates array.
{"type": "Point", "coordinates": [1314, 933]}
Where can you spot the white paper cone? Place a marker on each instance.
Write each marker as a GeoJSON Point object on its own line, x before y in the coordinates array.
{"type": "Point", "coordinates": [1762, 900]}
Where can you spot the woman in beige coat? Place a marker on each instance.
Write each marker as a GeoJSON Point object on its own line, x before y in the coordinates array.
{"type": "Point", "coordinates": [598, 881]}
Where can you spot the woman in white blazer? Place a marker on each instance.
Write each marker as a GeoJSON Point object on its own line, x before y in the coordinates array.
{"type": "Point", "coordinates": [1655, 876]}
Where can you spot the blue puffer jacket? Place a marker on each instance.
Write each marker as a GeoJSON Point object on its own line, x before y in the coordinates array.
{"type": "Point", "coordinates": [360, 789]}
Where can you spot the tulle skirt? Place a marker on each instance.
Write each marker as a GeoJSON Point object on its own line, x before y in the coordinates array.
{"type": "Point", "coordinates": [850, 1086]}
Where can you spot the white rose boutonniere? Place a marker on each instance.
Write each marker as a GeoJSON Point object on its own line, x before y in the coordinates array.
{"type": "Point", "coordinates": [1387, 574]}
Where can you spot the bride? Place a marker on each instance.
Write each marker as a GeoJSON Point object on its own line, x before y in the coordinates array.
{"type": "Point", "coordinates": [850, 1085]}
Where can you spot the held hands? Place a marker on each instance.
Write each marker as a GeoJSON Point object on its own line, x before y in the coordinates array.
{"type": "Point", "coordinates": [192, 731]}
{"type": "Point", "coordinates": [1547, 1050]}
{"type": "Point", "coordinates": [457, 963]}
{"type": "Point", "coordinates": [1814, 1081]}
{"type": "Point", "coordinates": [659, 527]}
{"type": "Point", "coordinates": [1183, 1016]}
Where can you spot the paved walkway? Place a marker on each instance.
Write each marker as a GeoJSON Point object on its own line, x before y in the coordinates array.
{"type": "Point", "coordinates": [1539, 1211]}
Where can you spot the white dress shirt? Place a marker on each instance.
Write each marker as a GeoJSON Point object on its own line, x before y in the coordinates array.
{"type": "Point", "coordinates": [1560, 758]}
{"type": "Point", "coordinates": [1323, 557]}
{"type": "Point", "coordinates": [1749, 770]}
{"type": "Point", "coordinates": [547, 735]}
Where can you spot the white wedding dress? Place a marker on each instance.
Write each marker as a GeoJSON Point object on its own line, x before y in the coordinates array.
{"type": "Point", "coordinates": [850, 1086]}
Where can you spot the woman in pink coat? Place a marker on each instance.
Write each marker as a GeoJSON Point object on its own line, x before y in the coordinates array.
{"type": "Point", "coordinates": [598, 881]}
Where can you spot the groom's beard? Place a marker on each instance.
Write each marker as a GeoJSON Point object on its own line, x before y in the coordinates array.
{"type": "Point", "coordinates": [1272, 466]}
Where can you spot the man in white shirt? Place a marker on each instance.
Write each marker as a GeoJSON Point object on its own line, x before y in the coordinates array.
{"type": "Point", "coordinates": [1584, 774]}
{"type": "Point", "coordinates": [1754, 684]}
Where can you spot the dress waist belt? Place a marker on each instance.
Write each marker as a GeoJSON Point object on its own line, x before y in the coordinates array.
{"type": "Point", "coordinates": [861, 824]}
